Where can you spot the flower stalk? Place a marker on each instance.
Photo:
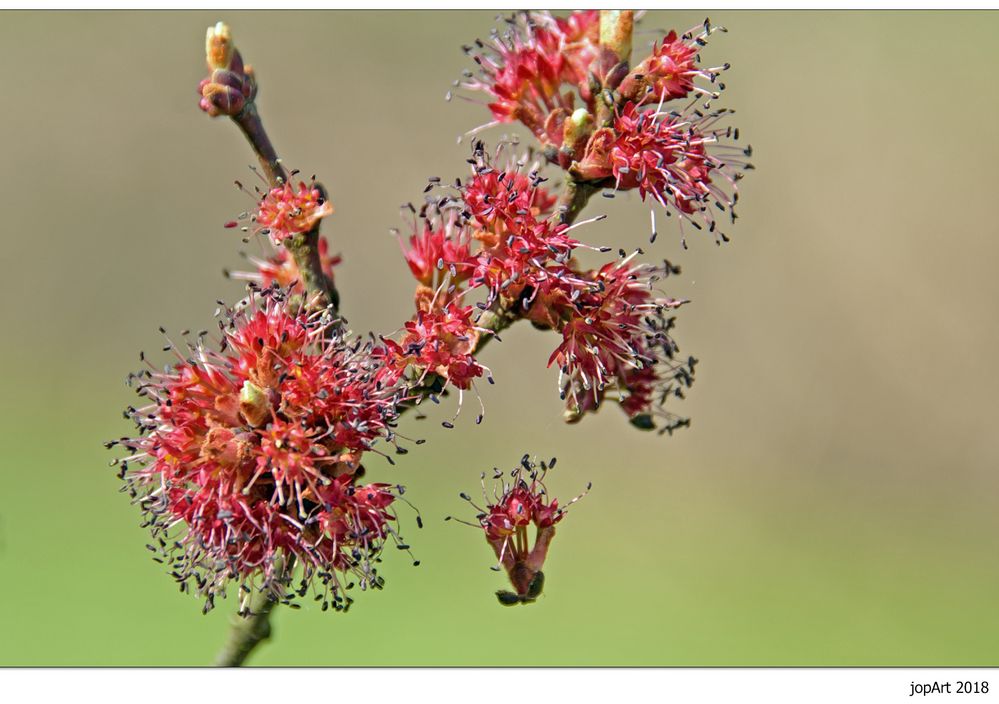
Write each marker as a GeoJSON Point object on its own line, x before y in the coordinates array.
{"type": "Point", "coordinates": [247, 632]}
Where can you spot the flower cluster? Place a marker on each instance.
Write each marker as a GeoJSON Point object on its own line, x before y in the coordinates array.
{"type": "Point", "coordinates": [256, 450]}
{"type": "Point", "coordinates": [491, 233]}
{"type": "Point", "coordinates": [625, 134]}
{"type": "Point", "coordinates": [516, 506]}
{"type": "Point", "coordinates": [439, 341]}
{"type": "Point", "coordinates": [248, 460]}
{"type": "Point", "coordinates": [529, 72]}
{"type": "Point", "coordinates": [616, 343]}
{"type": "Point", "coordinates": [496, 233]}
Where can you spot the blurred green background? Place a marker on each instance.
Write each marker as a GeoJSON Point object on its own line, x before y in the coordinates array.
{"type": "Point", "coordinates": [833, 503]}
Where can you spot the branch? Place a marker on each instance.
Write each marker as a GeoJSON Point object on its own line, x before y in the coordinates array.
{"type": "Point", "coordinates": [231, 89]}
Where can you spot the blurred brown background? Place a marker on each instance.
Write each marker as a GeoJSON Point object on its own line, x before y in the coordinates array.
{"type": "Point", "coordinates": [835, 500]}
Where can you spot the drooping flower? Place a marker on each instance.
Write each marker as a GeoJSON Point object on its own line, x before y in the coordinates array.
{"type": "Point", "coordinates": [506, 519]}
{"type": "Point", "coordinates": [248, 455]}
{"type": "Point", "coordinates": [616, 343]}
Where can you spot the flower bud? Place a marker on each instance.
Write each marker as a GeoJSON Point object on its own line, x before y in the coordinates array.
{"type": "Point", "coordinates": [230, 85]}
{"type": "Point", "coordinates": [576, 132]}
{"type": "Point", "coordinates": [218, 46]}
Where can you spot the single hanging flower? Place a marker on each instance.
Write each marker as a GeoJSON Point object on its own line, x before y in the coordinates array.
{"type": "Point", "coordinates": [516, 506]}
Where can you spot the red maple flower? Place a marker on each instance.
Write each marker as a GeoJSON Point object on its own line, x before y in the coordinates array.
{"type": "Point", "coordinates": [498, 198]}
{"type": "Point", "coordinates": [669, 72]}
{"type": "Point", "coordinates": [441, 341]}
{"type": "Point", "coordinates": [439, 247]}
{"type": "Point", "coordinates": [284, 211]}
{"type": "Point", "coordinates": [534, 70]}
{"type": "Point", "coordinates": [241, 446]}
{"type": "Point", "coordinates": [522, 247]}
{"type": "Point", "coordinates": [677, 158]}
{"type": "Point", "coordinates": [616, 341]}
{"type": "Point", "coordinates": [506, 519]}
{"type": "Point", "coordinates": [580, 32]}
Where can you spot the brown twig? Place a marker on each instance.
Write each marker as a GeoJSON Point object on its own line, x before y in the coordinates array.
{"type": "Point", "coordinates": [304, 247]}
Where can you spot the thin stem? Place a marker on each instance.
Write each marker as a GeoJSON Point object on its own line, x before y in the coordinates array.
{"type": "Point", "coordinates": [304, 247]}
{"type": "Point", "coordinates": [247, 632]}
{"type": "Point", "coordinates": [573, 199]}
{"type": "Point", "coordinates": [252, 127]}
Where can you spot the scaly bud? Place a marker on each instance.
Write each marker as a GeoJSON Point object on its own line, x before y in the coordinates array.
{"type": "Point", "coordinates": [230, 85]}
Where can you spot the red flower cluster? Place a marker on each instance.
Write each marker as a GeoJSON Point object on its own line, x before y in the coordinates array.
{"type": "Point", "coordinates": [613, 322]}
{"type": "Point", "coordinates": [678, 156]}
{"type": "Point", "coordinates": [440, 341]}
{"type": "Point", "coordinates": [668, 73]}
{"type": "Point", "coordinates": [524, 71]}
{"type": "Point", "coordinates": [616, 343]}
{"type": "Point", "coordinates": [666, 155]}
{"type": "Point", "coordinates": [248, 457]}
{"type": "Point", "coordinates": [515, 507]}
{"type": "Point", "coordinates": [255, 450]}
{"type": "Point", "coordinates": [439, 249]}
{"type": "Point", "coordinates": [502, 214]}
